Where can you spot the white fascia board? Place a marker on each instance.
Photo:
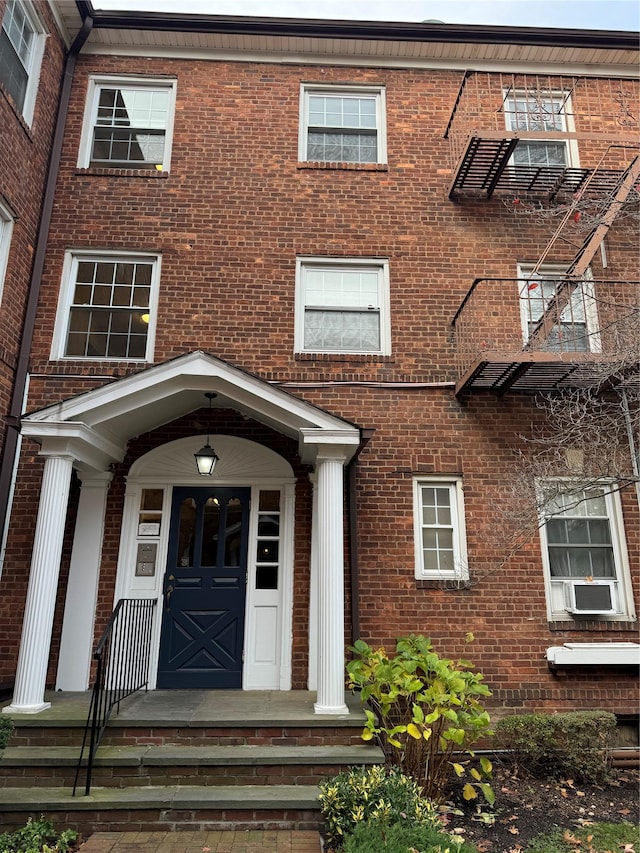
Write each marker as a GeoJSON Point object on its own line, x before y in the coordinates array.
{"type": "Point", "coordinates": [195, 371]}
{"type": "Point", "coordinates": [87, 447]}
{"type": "Point", "coordinates": [279, 57]}
{"type": "Point", "coordinates": [594, 654]}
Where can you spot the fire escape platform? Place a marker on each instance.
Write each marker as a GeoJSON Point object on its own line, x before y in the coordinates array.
{"type": "Point", "coordinates": [484, 169]}
{"type": "Point", "coordinates": [529, 372]}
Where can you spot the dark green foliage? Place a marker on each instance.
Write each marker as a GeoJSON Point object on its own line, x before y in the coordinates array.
{"type": "Point", "coordinates": [572, 745]}
{"type": "Point", "coordinates": [372, 793]}
{"type": "Point", "coordinates": [402, 838]}
{"type": "Point", "coordinates": [6, 730]}
{"type": "Point", "coordinates": [422, 709]}
{"type": "Point", "coordinates": [38, 836]}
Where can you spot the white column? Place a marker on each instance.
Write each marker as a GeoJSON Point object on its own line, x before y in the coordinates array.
{"type": "Point", "coordinates": [31, 675]}
{"type": "Point", "coordinates": [76, 643]}
{"type": "Point", "coordinates": [331, 656]}
{"type": "Point", "coordinates": [313, 590]}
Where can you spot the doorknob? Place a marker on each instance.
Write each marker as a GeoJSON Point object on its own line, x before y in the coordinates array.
{"type": "Point", "coordinates": [167, 596]}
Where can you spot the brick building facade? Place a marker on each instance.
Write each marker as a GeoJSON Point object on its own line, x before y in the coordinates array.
{"type": "Point", "coordinates": [290, 218]}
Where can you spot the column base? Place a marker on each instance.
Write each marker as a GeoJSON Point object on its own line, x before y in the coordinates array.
{"type": "Point", "coordinates": [26, 709]}
{"type": "Point", "coordinates": [330, 709]}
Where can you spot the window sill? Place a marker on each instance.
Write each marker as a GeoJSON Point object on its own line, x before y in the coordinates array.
{"type": "Point", "coordinates": [345, 167]}
{"type": "Point", "coordinates": [449, 584]}
{"type": "Point", "coordinates": [593, 625]}
{"type": "Point", "coordinates": [351, 357]}
{"type": "Point", "coordinates": [594, 654]}
{"type": "Point", "coordinates": [110, 172]}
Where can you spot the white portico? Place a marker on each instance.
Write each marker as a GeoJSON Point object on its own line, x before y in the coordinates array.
{"type": "Point", "coordinates": [89, 432]}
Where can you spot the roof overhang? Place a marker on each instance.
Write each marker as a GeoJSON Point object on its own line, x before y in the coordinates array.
{"type": "Point", "coordinates": [364, 42]}
{"type": "Point", "coordinates": [95, 427]}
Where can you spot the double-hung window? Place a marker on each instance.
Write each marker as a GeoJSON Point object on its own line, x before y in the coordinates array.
{"type": "Point", "coordinates": [439, 529]}
{"type": "Point", "coordinates": [541, 113]}
{"type": "Point", "coordinates": [557, 315]}
{"type": "Point", "coordinates": [128, 124]}
{"type": "Point", "coordinates": [584, 554]}
{"type": "Point", "coordinates": [107, 307]}
{"type": "Point", "coordinates": [342, 125]}
{"type": "Point", "coordinates": [342, 306]}
{"type": "Point", "coordinates": [21, 48]}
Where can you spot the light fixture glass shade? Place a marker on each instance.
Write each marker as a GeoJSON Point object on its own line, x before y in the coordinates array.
{"type": "Point", "coordinates": [206, 459]}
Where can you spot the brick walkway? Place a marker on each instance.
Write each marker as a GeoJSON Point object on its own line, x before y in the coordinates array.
{"type": "Point", "coordinates": [249, 841]}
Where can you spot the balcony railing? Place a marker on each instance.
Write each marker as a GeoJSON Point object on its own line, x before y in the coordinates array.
{"type": "Point", "coordinates": [537, 334]}
{"type": "Point", "coordinates": [519, 133]}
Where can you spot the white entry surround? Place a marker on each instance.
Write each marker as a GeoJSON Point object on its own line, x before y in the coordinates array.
{"type": "Point", "coordinates": [267, 663]}
{"type": "Point", "coordinates": [91, 431]}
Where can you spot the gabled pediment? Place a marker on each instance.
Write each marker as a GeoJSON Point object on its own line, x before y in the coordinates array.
{"type": "Point", "coordinates": [115, 413]}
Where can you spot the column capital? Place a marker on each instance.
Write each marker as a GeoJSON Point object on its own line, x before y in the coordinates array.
{"type": "Point", "coordinates": [314, 441]}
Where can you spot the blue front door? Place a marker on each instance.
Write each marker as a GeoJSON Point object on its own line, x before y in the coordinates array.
{"type": "Point", "coordinates": [202, 635]}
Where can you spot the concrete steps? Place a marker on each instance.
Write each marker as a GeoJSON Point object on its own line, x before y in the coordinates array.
{"type": "Point", "coordinates": [241, 762]}
{"type": "Point", "coordinates": [151, 765]}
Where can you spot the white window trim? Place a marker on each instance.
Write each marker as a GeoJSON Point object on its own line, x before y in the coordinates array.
{"type": "Point", "coordinates": [553, 272]}
{"type": "Point", "coordinates": [35, 60]}
{"type": "Point", "coordinates": [621, 561]}
{"type": "Point", "coordinates": [382, 264]}
{"type": "Point", "coordinates": [571, 145]}
{"type": "Point", "coordinates": [322, 89]}
{"type": "Point", "coordinates": [461, 566]}
{"type": "Point", "coordinates": [68, 281]}
{"type": "Point", "coordinates": [6, 229]}
{"type": "Point", "coordinates": [96, 83]}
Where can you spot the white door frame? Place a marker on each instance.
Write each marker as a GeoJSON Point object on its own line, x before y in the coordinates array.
{"type": "Point", "coordinates": [242, 463]}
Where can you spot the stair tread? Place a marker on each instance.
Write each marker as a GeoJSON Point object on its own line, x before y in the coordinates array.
{"type": "Point", "coordinates": [166, 796]}
{"type": "Point", "coordinates": [169, 754]}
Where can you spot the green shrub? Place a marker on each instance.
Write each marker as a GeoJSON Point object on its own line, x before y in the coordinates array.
{"type": "Point", "coordinates": [6, 730]}
{"type": "Point", "coordinates": [422, 709]}
{"type": "Point", "coordinates": [402, 838]}
{"type": "Point", "coordinates": [573, 744]}
{"type": "Point", "coordinates": [372, 793]}
{"type": "Point", "coordinates": [38, 836]}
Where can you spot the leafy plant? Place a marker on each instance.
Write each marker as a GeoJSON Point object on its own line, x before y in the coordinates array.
{"type": "Point", "coordinates": [421, 710]}
{"type": "Point", "coordinates": [6, 730]}
{"type": "Point", "coordinates": [401, 837]}
{"type": "Point", "coordinates": [573, 744]}
{"type": "Point", "coordinates": [38, 836]}
{"type": "Point", "coordinates": [372, 793]}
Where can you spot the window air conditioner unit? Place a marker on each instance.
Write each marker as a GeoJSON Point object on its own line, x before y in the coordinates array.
{"type": "Point", "coordinates": [589, 598]}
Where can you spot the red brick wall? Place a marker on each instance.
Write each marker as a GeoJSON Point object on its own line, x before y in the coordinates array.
{"type": "Point", "coordinates": [24, 155]}
{"type": "Point", "coordinates": [229, 219]}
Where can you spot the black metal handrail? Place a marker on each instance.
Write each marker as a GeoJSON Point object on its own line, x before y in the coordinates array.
{"type": "Point", "coordinates": [122, 668]}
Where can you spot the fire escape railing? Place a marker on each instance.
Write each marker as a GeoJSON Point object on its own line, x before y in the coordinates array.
{"type": "Point", "coordinates": [542, 319]}
{"type": "Point", "coordinates": [496, 112]}
{"type": "Point", "coordinates": [122, 668]}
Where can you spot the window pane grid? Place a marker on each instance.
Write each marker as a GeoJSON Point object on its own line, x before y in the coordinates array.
{"type": "Point", "coordinates": [109, 314]}
{"type": "Point", "coordinates": [342, 128]}
{"type": "Point", "coordinates": [538, 114]}
{"type": "Point", "coordinates": [342, 309]}
{"type": "Point", "coordinates": [130, 126]}
{"type": "Point", "coordinates": [20, 34]}
{"type": "Point", "coordinates": [16, 48]}
{"type": "Point", "coordinates": [268, 544]}
{"type": "Point", "coordinates": [570, 334]}
{"type": "Point", "coordinates": [579, 537]}
{"type": "Point", "coordinates": [437, 529]}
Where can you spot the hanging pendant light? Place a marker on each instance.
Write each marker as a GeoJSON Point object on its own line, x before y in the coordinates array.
{"type": "Point", "coordinates": [206, 457]}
